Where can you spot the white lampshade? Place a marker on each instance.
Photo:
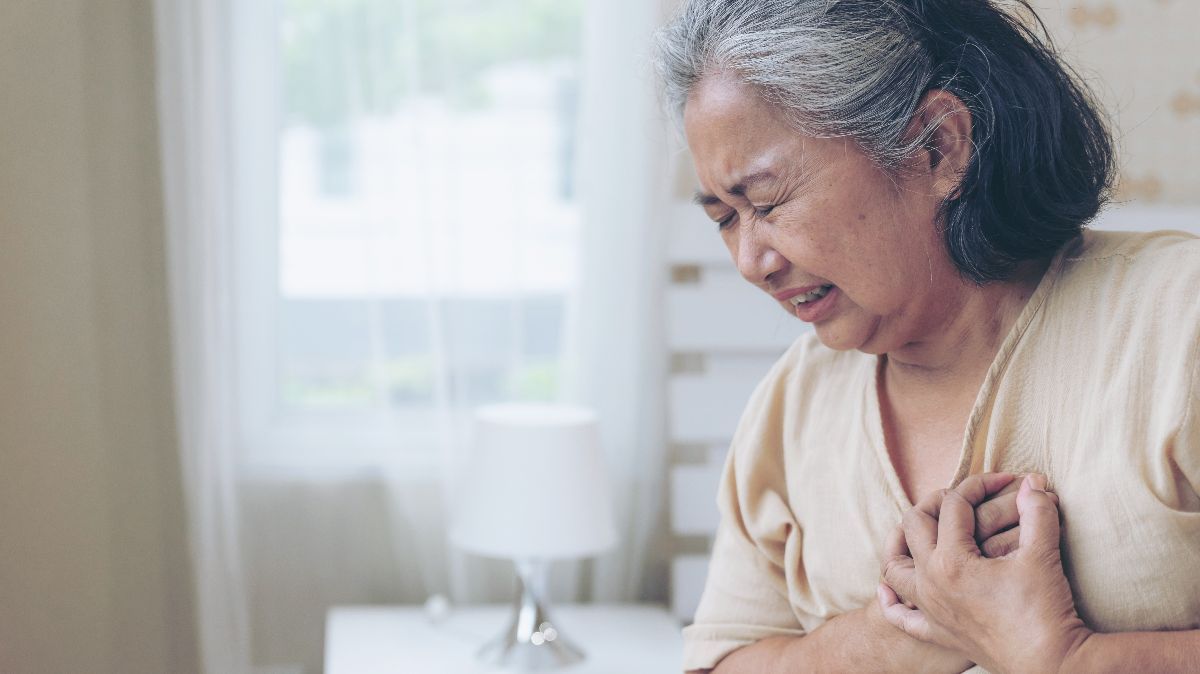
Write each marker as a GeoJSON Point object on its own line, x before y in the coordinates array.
{"type": "Point", "coordinates": [536, 485]}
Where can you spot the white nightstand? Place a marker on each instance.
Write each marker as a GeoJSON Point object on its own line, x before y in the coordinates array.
{"type": "Point", "coordinates": [617, 639]}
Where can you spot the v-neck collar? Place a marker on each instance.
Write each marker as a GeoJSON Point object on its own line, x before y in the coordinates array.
{"type": "Point", "coordinates": [974, 439]}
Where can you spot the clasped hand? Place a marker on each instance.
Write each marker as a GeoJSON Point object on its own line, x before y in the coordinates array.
{"type": "Point", "coordinates": [1009, 611]}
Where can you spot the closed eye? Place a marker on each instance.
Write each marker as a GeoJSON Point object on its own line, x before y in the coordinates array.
{"type": "Point", "coordinates": [763, 211]}
{"type": "Point", "coordinates": [722, 224]}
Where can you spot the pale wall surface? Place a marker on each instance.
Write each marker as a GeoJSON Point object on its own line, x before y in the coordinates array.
{"type": "Point", "coordinates": [1141, 58]}
{"type": "Point", "coordinates": [93, 559]}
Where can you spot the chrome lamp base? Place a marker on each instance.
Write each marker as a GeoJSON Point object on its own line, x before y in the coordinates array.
{"type": "Point", "coordinates": [532, 641]}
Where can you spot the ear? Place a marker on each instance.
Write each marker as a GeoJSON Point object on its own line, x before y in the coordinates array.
{"type": "Point", "coordinates": [949, 146]}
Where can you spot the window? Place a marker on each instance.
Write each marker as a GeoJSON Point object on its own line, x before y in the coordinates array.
{"type": "Point", "coordinates": [423, 248]}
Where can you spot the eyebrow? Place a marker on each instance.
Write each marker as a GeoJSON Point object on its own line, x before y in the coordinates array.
{"type": "Point", "coordinates": [738, 189]}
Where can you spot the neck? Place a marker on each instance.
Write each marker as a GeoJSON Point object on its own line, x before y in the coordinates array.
{"type": "Point", "coordinates": [963, 338]}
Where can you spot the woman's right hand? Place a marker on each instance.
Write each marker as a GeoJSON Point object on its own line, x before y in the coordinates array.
{"type": "Point", "coordinates": [862, 639]}
{"type": "Point", "coordinates": [997, 533]}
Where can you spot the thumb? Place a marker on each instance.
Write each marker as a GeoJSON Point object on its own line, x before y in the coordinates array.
{"type": "Point", "coordinates": [1038, 517]}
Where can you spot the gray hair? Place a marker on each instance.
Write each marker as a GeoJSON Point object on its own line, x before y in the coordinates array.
{"type": "Point", "coordinates": [856, 74]}
{"type": "Point", "coordinates": [1042, 162]}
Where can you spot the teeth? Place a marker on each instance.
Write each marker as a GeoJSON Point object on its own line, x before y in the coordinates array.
{"type": "Point", "coordinates": [810, 296]}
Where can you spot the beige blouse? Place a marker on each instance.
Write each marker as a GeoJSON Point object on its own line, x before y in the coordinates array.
{"type": "Point", "coordinates": [1096, 385]}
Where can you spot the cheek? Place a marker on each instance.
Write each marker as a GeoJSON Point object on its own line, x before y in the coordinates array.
{"type": "Point", "coordinates": [864, 242]}
{"type": "Point", "coordinates": [874, 271]}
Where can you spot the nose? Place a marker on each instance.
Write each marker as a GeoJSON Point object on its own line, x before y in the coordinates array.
{"type": "Point", "coordinates": [756, 257]}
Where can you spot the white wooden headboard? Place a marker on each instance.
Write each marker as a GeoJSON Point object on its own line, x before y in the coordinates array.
{"type": "Point", "coordinates": [723, 335]}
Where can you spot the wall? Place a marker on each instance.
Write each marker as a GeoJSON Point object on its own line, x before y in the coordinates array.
{"type": "Point", "coordinates": [93, 558]}
{"type": "Point", "coordinates": [1140, 57]}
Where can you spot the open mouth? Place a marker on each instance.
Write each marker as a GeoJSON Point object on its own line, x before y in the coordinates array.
{"type": "Point", "coordinates": [811, 296]}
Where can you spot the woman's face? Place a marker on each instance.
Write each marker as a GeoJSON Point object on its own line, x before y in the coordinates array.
{"type": "Point", "coordinates": [800, 213]}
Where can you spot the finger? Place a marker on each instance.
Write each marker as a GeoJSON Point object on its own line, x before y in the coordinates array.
{"type": "Point", "coordinates": [956, 525]}
{"type": "Point", "coordinates": [1019, 479]}
{"type": "Point", "coordinates": [995, 516]}
{"type": "Point", "coordinates": [896, 546]}
{"type": "Point", "coordinates": [920, 523]}
{"type": "Point", "coordinates": [978, 488]}
{"type": "Point", "coordinates": [1012, 487]}
{"type": "Point", "coordinates": [1000, 512]}
{"type": "Point", "coordinates": [910, 621]}
{"type": "Point", "coordinates": [920, 529]}
{"type": "Point", "coordinates": [1038, 518]}
{"type": "Point", "coordinates": [1001, 544]}
{"type": "Point", "coordinates": [931, 503]}
{"type": "Point", "coordinates": [900, 574]}
{"type": "Point", "coordinates": [1005, 542]}
{"type": "Point", "coordinates": [886, 595]}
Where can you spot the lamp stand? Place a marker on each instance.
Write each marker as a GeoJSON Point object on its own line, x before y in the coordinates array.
{"type": "Point", "coordinates": [531, 641]}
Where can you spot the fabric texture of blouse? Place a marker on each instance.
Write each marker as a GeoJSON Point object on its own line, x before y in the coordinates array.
{"type": "Point", "coordinates": [1096, 385]}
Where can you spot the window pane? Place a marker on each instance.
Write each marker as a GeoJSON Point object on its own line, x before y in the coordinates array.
{"type": "Point", "coordinates": [428, 230]}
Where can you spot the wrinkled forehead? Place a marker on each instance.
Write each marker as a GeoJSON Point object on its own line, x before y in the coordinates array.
{"type": "Point", "coordinates": [732, 133]}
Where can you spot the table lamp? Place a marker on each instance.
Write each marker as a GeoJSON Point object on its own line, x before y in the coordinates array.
{"type": "Point", "coordinates": [534, 491]}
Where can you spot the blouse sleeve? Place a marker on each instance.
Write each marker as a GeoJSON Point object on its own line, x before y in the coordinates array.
{"type": "Point", "coordinates": [745, 595]}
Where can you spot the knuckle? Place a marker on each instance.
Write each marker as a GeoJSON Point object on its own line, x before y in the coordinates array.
{"type": "Point", "coordinates": [933, 504]}
{"type": "Point", "coordinates": [899, 574]}
{"type": "Point", "coordinates": [986, 516]}
{"type": "Point", "coordinates": [995, 515]}
{"type": "Point", "coordinates": [974, 488]}
{"type": "Point", "coordinates": [931, 500]}
{"type": "Point", "coordinates": [1049, 557]}
{"type": "Point", "coordinates": [998, 546]}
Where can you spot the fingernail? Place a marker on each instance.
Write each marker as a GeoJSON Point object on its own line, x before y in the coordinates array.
{"type": "Point", "coordinates": [1037, 481]}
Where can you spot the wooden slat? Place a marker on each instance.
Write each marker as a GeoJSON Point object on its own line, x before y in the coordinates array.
{"type": "Point", "coordinates": [692, 238]}
{"type": "Point", "coordinates": [706, 407]}
{"type": "Point", "coordinates": [694, 499]}
{"type": "Point", "coordinates": [725, 313]}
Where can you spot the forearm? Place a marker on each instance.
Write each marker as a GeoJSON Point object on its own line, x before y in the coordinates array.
{"type": "Point", "coordinates": [1165, 652]}
{"type": "Point", "coordinates": [857, 641]}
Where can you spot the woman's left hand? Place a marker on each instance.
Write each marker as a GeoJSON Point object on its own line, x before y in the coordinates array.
{"type": "Point", "coordinates": [1010, 614]}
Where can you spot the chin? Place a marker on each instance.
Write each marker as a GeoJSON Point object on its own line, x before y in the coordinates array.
{"type": "Point", "coordinates": [841, 334]}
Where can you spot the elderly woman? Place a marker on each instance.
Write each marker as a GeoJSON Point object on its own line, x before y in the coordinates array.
{"type": "Point", "coordinates": [912, 178]}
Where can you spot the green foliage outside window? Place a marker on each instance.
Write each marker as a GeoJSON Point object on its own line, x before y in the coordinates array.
{"type": "Point", "coordinates": [343, 58]}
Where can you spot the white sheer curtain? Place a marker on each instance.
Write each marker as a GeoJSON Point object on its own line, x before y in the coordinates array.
{"type": "Point", "coordinates": [193, 89]}
{"type": "Point", "coordinates": [334, 486]}
{"type": "Point", "coordinates": [621, 357]}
